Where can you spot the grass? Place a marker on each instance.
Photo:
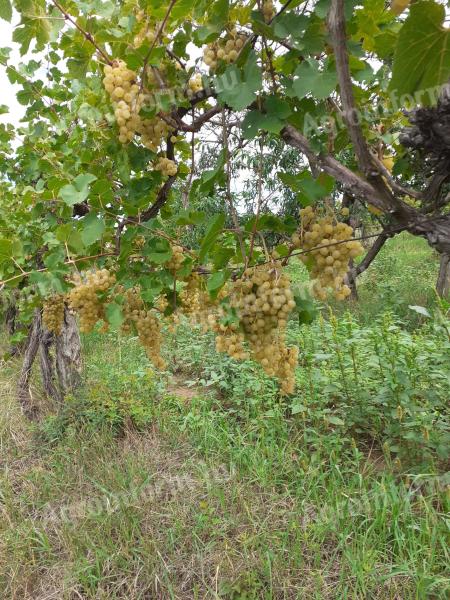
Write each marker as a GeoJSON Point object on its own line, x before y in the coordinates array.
{"type": "Point", "coordinates": [218, 488]}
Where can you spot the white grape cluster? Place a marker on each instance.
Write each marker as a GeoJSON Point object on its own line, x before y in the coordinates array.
{"type": "Point", "coordinates": [166, 166]}
{"type": "Point", "coordinates": [229, 338]}
{"type": "Point", "coordinates": [147, 30]}
{"type": "Point", "coordinates": [268, 10]}
{"type": "Point", "coordinates": [195, 83]}
{"type": "Point", "coordinates": [329, 247]}
{"type": "Point", "coordinates": [144, 322]}
{"type": "Point", "coordinates": [84, 299]}
{"type": "Point", "coordinates": [149, 332]}
{"type": "Point", "coordinates": [128, 100]}
{"type": "Point", "coordinates": [120, 83]}
{"type": "Point", "coordinates": [192, 296]}
{"type": "Point", "coordinates": [197, 304]}
{"type": "Point", "coordinates": [145, 34]}
{"type": "Point", "coordinates": [153, 131]}
{"type": "Point", "coordinates": [53, 313]}
{"type": "Point", "coordinates": [262, 301]}
{"type": "Point", "coordinates": [226, 49]}
{"type": "Point", "coordinates": [176, 260]}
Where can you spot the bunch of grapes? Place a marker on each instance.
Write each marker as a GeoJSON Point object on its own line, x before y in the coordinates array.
{"type": "Point", "coordinates": [139, 242]}
{"type": "Point", "coordinates": [263, 299]}
{"type": "Point", "coordinates": [84, 299]}
{"type": "Point", "coordinates": [149, 332]}
{"type": "Point", "coordinates": [132, 306]}
{"type": "Point", "coordinates": [268, 10]}
{"type": "Point", "coordinates": [197, 304]}
{"type": "Point", "coordinates": [195, 83]}
{"type": "Point", "coordinates": [120, 83]}
{"type": "Point", "coordinates": [53, 313]}
{"type": "Point", "coordinates": [192, 296]}
{"type": "Point", "coordinates": [152, 131]}
{"type": "Point", "coordinates": [260, 304]}
{"type": "Point", "coordinates": [166, 166]}
{"type": "Point", "coordinates": [176, 260]}
{"type": "Point", "coordinates": [330, 249]}
{"type": "Point", "coordinates": [145, 322]}
{"type": "Point", "coordinates": [229, 338]}
{"type": "Point", "coordinates": [128, 100]}
{"type": "Point", "coordinates": [226, 49]}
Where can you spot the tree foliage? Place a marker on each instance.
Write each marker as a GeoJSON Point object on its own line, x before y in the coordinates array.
{"type": "Point", "coordinates": [105, 173]}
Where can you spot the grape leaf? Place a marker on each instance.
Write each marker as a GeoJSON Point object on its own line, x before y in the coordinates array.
{"type": "Point", "coordinates": [93, 229]}
{"type": "Point", "coordinates": [215, 227]}
{"type": "Point", "coordinates": [309, 79]}
{"type": "Point", "coordinates": [237, 88]}
{"type": "Point", "coordinates": [5, 10]}
{"type": "Point", "coordinates": [422, 55]}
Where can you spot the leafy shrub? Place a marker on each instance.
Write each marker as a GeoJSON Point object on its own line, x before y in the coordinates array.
{"type": "Point", "coordinates": [115, 400]}
{"type": "Point", "coordinates": [364, 384]}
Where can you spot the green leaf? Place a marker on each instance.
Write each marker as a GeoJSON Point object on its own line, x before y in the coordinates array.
{"type": "Point", "coordinates": [255, 121]}
{"type": "Point", "coordinates": [334, 420]}
{"type": "Point", "coordinates": [422, 55]}
{"type": "Point", "coordinates": [78, 191]}
{"type": "Point", "coordinates": [306, 309]}
{"type": "Point", "coordinates": [237, 88]}
{"type": "Point", "coordinates": [217, 280]}
{"type": "Point", "coordinates": [5, 10]}
{"type": "Point", "coordinates": [308, 188]}
{"type": "Point", "coordinates": [421, 310]}
{"type": "Point", "coordinates": [309, 79]}
{"type": "Point", "coordinates": [298, 408]}
{"type": "Point", "coordinates": [72, 237]}
{"type": "Point", "coordinates": [214, 228]}
{"type": "Point", "coordinates": [9, 249]}
{"type": "Point", "coordinates": [71, 195]}
{"type": "Point", "coordinates": [114, 314]}
{"type": "Point", "coordinates": [158, 251]}
{"type": "Point", "coordinates": [93, 229]}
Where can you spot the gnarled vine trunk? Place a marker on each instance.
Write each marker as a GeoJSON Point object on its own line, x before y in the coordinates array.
{"type": "Point", "coordinates": [23, 388]}
{"type": "Point", "coordinates": [443, 282]}
{"type": "Point", "coordinates": [56, 382]}
{"type": "Point", "coordinates": [68, 354]}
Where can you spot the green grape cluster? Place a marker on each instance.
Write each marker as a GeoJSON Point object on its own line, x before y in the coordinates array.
{"type": "Point", "coordinates": [329, 247]}
{"type": "Point", "coordinates": [53, 313]}
{"type": "Point", "coordinates": [226, 49]}
{"type": "Point", "coordinates": [83, 297]}
{"type": "Point", "coordinates": [166, 166]}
